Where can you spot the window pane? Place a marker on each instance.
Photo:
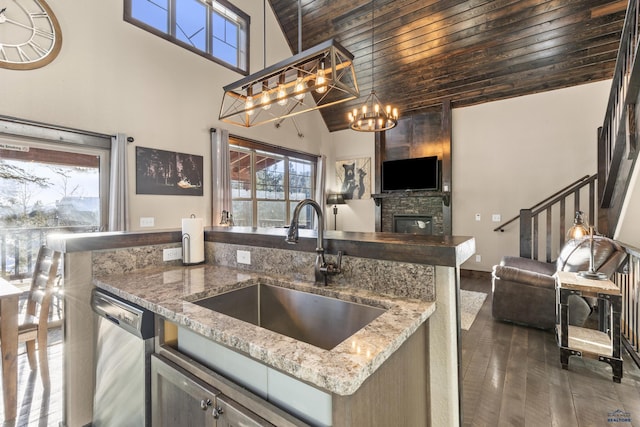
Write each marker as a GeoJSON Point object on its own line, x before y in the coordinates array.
{"type": "Point", "coordinates": [152, 12]}
{"type": "Point", "coordinates": [242, 213]}
{"type": "Point", "coordinates": [240, 175]}
{"type": "Point", "coordinates": [224, 39]}
{"type": "Point", "coordinates": [269, 177]}
{"type": "Point", "coordinates": [271, 214]}
{"type": "Point", "coordinates": [300, 184]}
{"type": "Point", "coordinates": [191, 23]}
{"type": "Point", "coordinates": [305, 220]}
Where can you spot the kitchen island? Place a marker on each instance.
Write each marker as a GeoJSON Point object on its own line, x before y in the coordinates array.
{"type": "Point", "coordinates": [404, 274]}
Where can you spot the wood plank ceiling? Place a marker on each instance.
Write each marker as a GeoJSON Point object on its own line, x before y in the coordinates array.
{"type": "Point", "coordinates": [469, 52]}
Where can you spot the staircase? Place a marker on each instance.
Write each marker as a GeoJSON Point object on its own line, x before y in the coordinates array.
{"type": "Point", "coordinates": [543, 226]}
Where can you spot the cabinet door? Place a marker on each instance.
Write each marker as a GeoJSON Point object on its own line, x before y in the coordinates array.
{"type": "Point", "coordinates": [178, 398]}
{"type": "Point", "coordinates": [232, 414]}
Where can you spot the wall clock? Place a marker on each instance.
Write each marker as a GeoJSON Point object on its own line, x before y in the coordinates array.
{"type": "Point", "coordinates": [30, 35]}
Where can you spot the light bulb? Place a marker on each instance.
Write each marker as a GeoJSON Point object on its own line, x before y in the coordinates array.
{"type": "Point", "coordinates": [299, 89]}
{"type": "Point", "coordinates": [364, 110]}
{"type": "Point", "coordinates": [376, 108]}
{"type": "Point", "coordinates": [248, 105]}
{"type": "Point", "coordinates": [265, 100]}
{"type": "Point", "coordinates": [282, 95]}
{"type": "Point", "coordinates": [321, 81]}
{"type": "Point", "coordinates": [395, 113]}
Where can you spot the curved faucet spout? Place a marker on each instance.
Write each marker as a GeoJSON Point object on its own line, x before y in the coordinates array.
{"type": "Point", "coordinates": [292, 234]}
{"type": "Point", "coordinates": [322, 269]}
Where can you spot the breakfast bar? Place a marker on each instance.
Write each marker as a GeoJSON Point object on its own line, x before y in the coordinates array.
{"type": "Point", "coordinates": [413, 279]}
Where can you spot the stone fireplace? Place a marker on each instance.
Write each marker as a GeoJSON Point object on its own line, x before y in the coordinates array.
{"type": "Point", "coordinates": [404, 210]}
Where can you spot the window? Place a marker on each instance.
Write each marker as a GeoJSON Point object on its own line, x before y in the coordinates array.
{"type": "Point", "coordinates": [214, 29]}
{"type": "Point", "coordinates": [267, 183]}
{"type": "Point", "coordinates": [47, 187]}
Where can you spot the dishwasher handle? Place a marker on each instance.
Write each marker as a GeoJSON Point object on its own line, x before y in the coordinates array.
{"type": "Point", "coordinates": [112, 319]}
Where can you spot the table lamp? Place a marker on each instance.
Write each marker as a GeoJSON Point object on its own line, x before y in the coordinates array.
{"type": "Point", "coordinates": [579, 230]}
{"type": "Point", "coordinates": [335, 199]}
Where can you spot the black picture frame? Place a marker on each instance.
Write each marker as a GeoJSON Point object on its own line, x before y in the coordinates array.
{"type": "Point", "coordinates": [168, 173]}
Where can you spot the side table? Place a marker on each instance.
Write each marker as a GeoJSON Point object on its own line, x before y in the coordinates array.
{"type": "Point", "coordinates": [602, 344]}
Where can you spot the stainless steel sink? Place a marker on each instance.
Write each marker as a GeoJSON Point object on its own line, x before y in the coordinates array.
{"type": "Point", "coordinates": [315, 319]}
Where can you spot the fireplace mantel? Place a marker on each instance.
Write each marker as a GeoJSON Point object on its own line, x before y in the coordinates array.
{"type": "Point", "coordinates": [446, 195]}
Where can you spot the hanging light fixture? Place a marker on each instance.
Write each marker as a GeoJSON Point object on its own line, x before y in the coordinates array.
{"type": "Point", "coordinates": [324, 71]}
{"type": "Point", "coordinates": [372, 117]}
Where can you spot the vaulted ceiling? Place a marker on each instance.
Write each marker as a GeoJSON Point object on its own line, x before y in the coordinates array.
{"type": "Point", "coordinates": [468, 52]}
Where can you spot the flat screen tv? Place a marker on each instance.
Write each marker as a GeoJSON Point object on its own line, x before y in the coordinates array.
{"type": "Point", "coordinates": [410, 174]}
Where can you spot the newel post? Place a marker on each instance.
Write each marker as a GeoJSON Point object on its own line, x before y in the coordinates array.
{"type": "Point", "coordinates": [525, 233]}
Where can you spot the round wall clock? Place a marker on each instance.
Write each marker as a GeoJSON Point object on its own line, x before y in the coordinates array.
{"type": "Point", "coordinates": [30, 35]}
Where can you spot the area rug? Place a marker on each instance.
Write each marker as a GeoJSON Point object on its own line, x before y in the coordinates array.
{"type": "Point", "coordinates": [470, 304]}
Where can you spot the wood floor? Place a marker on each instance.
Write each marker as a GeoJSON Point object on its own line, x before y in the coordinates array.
{"type": "Point", "coordinates": [38, 407]}
{"type": "Point", "coordinates": [512, 377]}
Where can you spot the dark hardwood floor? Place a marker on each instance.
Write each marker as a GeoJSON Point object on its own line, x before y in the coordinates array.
{"type": "Point", "coordinates": [512, 377]}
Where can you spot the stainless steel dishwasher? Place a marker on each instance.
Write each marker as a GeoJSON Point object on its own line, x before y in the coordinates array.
{"type": "Point", "coordinates": [124, 343]}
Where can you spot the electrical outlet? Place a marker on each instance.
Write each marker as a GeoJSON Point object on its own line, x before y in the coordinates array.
{"type": "Point", "coordinates": [171, 254]}
{"type": "Point", "coordinates": [243, 257]}
{"type": "Point", "coordinates": [478, 258]}
{"type": "Point", "coordinates": [496, 217]}
{"type": "Point", "coordinates": [147, 221]}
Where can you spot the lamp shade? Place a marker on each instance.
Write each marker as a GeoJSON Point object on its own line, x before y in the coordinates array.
{"type": "Point", "coordinates": [335, 199]}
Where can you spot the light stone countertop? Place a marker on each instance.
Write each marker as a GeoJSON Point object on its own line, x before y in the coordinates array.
{"type": "Point", "coordinates": [342, 370]}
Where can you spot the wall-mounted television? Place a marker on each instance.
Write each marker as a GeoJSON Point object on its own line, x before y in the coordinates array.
{"type": "Point", "coordinates": [421, 173]}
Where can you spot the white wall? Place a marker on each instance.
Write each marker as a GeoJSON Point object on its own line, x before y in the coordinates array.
{"type": "Point", "coordinates": [111, 76]}
{"type": "Point", "coordinates": [628, 229]}
{"type": "Point", "coordinates": [511, 154]}
{"type": "Point", "coordinates": [356, 215]}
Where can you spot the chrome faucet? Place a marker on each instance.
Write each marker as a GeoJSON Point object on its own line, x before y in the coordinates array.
{"type": "Point", "coordinates": [322, 268]}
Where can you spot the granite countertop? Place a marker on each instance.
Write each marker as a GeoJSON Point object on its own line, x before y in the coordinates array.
{"type": "Point", "coordinates": [342, 370]}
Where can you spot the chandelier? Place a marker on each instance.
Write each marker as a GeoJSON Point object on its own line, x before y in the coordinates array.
{"type": "Point", "coordinates": [315, 78]}
{"type": "Point", "coordinates": [372, 117]}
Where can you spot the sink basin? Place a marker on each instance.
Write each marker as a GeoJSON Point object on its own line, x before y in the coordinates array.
{"type": "Point", "coordinates": [315, 319]}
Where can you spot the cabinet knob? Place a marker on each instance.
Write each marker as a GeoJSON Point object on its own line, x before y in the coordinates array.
{"type": "Point", "coordinates": [217, 412]}
{"type": "Point", "coordinates": [205, 403]}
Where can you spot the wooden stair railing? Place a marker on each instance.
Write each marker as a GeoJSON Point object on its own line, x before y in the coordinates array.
{"type": "Point", "coordinates": [617, 138]}
{"type": "Point", "coordinates": [555, 220]}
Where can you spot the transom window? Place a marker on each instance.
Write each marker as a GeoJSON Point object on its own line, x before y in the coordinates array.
{"type": "Point", "coordinates": [214, 29]}
{"type": "Point", "coordinates": [267, 183]}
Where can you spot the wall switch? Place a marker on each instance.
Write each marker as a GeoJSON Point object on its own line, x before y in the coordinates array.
{"type": "Point", "coordinates": [243, 257]}
{"type": "Point", "coordinates": [478, 258]}
{"type": "Point", "coordinates": [147, 221]}
{"type": "Point", "coordinates": [477, 217]}
{"type": "Point", "coordinates": [496, 217]}
{"type": "Point", "coordinates": [171, 254]}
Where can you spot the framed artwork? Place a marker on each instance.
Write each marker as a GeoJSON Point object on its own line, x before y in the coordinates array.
{"type": "Point", "coordinates": [168, 173]}
{"type": "Point", "coordinates": [353, 178]}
